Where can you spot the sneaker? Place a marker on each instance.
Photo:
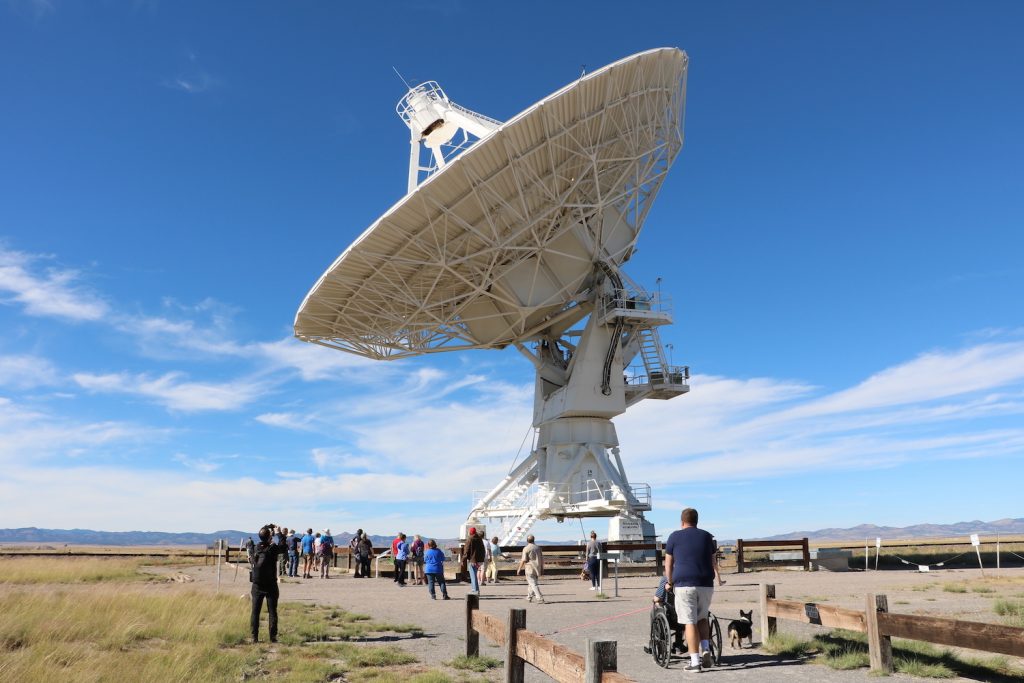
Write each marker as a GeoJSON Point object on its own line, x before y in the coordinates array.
{"type": "Point", "coordinates": [446, 598]}
{"type": "Point", "coordinates": [529, 598]}
{"type": "Point", "coordinates": [705, 659]}
{"type": "Point", "coordinates": [692, 667]}
{"type": "Point", "coordinates": [593, 588]}
{"type": "Point", "coordinates": [542, 602]}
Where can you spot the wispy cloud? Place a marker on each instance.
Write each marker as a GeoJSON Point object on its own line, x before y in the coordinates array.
{"type": "Point", "coordinates": [54, 292]}
{"type": "Point", "coordinates": [193, 78]}
{"type": "Point", "coordinates": [931, 376]}
{"type": "Point", "coordinates": [34, 9]}
{"type": "Point", "coordinates": [340, 459]}
{"type": "Point", "coordinates": [173, 391]}
{"type": "Point", "coordinates": [310, 361]}
{"type": "Point", "coordinates": [26, 371]}
{"type": "Point", "coordinates": [286, 420]}
{"type": "Point", "coordinates": [944, 404]}
{"type": "Point", "coordinates": [204, 465]}
{"type": "Point", "coordinates": [31, 435]}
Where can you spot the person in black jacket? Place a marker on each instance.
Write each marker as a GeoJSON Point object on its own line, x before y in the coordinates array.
{"type": "Point", "coordinates": [264, 578]}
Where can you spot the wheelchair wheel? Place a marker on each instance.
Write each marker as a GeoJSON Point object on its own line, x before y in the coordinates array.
{"type": "Point", "coordinates": [715, 639]}
{"type": "Point", "coordinates": [661, 638]}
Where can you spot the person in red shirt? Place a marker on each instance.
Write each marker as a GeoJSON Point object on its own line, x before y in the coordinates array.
{"type": "Point", "coordinates": [394, 551]}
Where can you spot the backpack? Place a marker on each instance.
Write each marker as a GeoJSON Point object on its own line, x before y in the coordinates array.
{"type": "Point", "coordinates": [326, 545]}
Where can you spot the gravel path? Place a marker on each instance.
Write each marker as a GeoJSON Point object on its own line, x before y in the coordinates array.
{"type": "Point", "coordinates": [573, 614]}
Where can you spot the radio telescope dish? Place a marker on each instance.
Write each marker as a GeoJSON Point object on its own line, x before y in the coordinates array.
{"type": "Point", "coordinates": [504, 237]}
{"type": "Point", "coordinates": [511, 234]}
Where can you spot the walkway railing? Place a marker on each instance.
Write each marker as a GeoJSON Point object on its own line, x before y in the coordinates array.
{"type": "Point", "coordinates": [527, 647]}
{"type": "Point", "coordinates": [881, 626]}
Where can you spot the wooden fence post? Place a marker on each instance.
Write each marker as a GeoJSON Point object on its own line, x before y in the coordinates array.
{"type": "Point", "coordinates": [515, 667]}
{"type": "Point", "coordinates": [601, 656]}
{"type": "Point", "coordinates": [739, 556]}
{"type": "Point", "coordinates": [472, 637]}
{"type": "Point", "coordinates": [879, 644]}
{"type": "Point", "coordinates": [807, 556]}
{"type": "Point", "coordinates": [767, 623]}
{"type": "Point", "coordinates": [659, 559]}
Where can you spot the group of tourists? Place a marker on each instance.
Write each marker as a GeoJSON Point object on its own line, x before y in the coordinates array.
{"type": "Point", "coordinates": [315, 551]}
{"type": "Point", "coordinates": [480, 558]}
{"type": "Point", "coordinates": [423, 560]}
{"type": "Point", "coordinates": [691, 571]}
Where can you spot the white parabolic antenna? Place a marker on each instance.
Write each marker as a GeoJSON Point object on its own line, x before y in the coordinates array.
{"type": "Point", "coordinates": [515, 234]}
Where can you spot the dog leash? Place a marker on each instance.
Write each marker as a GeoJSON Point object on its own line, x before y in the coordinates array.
{"type": "Point", "coordinates": [598, 621]}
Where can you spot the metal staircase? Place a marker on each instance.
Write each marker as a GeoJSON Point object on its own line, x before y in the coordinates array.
{"type": "Point", "coordinates": [651, 352]}
{"type": "Point", "coordinates": [518, 531]}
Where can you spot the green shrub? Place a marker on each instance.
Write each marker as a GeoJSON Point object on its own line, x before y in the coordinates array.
{"type": "Point", "coordinates": [786, 645]}
{"type": "Point", "coordinates": [478, 664]}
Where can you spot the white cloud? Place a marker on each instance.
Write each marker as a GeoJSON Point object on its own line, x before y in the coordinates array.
{"type": "Point", "coordinates": [938, 405]}
{"type": "Point", "coordinates": [930, 376]}
{"type": "Point", "coordinates": [286, 420]}
{"type": "Point", "coordinates": [193, 78]}
{"type": "Point", "coordinates": [198, 464]}
{"type": "Point", "coordinates": [36, 9]}
{"type": "Point", "coordinates": [31, 435]}
{"type": "Point", "coordinates": [312, 362]}
{"type": "Point", "coordinates": [26, 371]}
{"type": "Point", "coordinates": [174, 392]}
{"type": "Point", "coordinates": [54, 293]}
{"type": "Point", "coordinates": [340, 459]}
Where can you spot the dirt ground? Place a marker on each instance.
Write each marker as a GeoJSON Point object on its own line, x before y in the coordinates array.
{"type": "Point", "coordinates": [573, 613]}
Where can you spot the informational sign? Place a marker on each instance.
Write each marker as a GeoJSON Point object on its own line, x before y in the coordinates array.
{"type": "Point", "coordinates": [878, 542]}
{"type": "Point", "coordinates": [923, 568]}
{"type": "Point", "coordinates": [811, 610]}
{"type": "Point", "coordinates": [976, 542]}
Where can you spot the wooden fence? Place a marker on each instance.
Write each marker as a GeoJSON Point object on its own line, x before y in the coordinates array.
{"type": "Point", "coordinates": [523, 647]}
{"type": "Point", "coordinates": [742, 562]}
{"type": "Point", "coordinates": [881, 626]}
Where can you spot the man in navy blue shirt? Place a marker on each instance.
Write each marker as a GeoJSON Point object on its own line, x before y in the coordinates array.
{"type": "Point", "coordinates": [691, 569]}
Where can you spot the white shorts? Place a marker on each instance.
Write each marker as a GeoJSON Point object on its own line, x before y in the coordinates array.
{"type": "Point", "coordinates": [692, 603]}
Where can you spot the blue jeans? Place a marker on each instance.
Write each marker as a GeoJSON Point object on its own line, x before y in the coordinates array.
{"type": "Point", "coordinates": [433, 578]}
{"type": "Point", "coordinates": [594, 569]}
{"type": "Point", "coordinates": [293, 564]}
{"type": "Point", "coordinates": [474, 580]}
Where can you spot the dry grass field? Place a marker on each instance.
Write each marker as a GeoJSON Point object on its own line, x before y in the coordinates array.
{"type": "Point", "coordinates": [109, 620]}
{"type": "Point", "coordinates": [122, 618]}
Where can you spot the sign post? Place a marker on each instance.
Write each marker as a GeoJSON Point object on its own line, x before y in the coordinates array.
{"type": "Point", "coordinates": [220, 551]}
{"type": "Point", "coordinates": [867, 554]}
{"type": "Point", "coordinates": [878, 549]}
{"type": "Point", "coordinates": [611, 556]}
{"type": "Point", "coordinates": [976, 542]}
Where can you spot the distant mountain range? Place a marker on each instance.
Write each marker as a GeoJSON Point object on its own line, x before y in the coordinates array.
{"type": "Point", "coordinates": [871, 531]}
{"type": "Point", "coordinates": [90, 537]}
{"type": "Point", "coordinates": [127, 538]}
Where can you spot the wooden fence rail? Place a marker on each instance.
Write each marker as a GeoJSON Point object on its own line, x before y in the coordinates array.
{"type": "Point", "coordinates": [527, 647]}
{"type": "Point", "coordinates": [882, 626]}
{"type": "Point", "coordinates": [801, 543]}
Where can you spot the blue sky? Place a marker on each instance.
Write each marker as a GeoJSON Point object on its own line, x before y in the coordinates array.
{"type": "Point", "coordinates": [841, 235]}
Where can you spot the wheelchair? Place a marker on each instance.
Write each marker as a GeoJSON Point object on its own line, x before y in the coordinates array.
{"type": "Point", "coordinates": [662, 637]}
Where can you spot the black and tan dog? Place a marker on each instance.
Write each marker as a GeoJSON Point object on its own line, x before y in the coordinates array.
{"type": "Point", "coordinates": [742, 628]}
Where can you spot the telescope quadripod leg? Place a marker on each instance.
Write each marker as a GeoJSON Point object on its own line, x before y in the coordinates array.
{"type": "Point", "coordinates": [575, 469]}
